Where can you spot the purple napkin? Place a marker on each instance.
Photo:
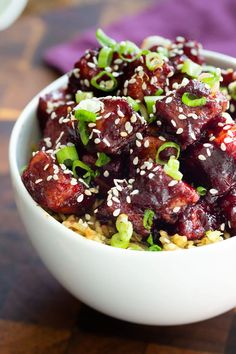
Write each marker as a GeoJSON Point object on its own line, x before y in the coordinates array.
{"type": "Point", "coordinates": [213, 23]}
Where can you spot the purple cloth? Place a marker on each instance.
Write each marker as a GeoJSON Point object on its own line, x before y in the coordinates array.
{"type": "Point", "coordinates": [212, 22]}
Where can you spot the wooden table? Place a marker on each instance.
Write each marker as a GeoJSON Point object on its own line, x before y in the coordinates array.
{"type": "Point", "coordinates": [37, 316]}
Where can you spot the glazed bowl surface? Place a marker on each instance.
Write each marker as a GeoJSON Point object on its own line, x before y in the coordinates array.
{"type": "Point", "coordinates": [153, 288]}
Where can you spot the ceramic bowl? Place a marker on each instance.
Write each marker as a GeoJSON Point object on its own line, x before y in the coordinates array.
{"type": "Point", "coordinates": [154, 288]}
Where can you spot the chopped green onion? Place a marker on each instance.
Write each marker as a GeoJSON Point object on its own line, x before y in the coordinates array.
{"type": "Point", "coordinates": [172, 169]}
{"type": "Point", "coordinates": [104, 40]}
{"type": "Point", "coordinates": [211, 79]}
{"type": "Point", "coordinates": [150, 102]}
{"type": "Point", "coordinates": [168, 144]}
{"type": "Point", "coordinates": [154, 248]}
{"type": "Point", "coordinates": [81, 165]}
{"type": "Point", "coordinates": [125, 230]}
{"type": "Point", "coordinates": [190, 68]}
{"type": "Point", "coordinates": [82, 95]}
{"type": "Point", "coordinates": [67, 155]}
{"type": "Point", "coordinates": [135, 247]}
{"type": "Point", "coordinates": [104, 85]}
{"type": "Point", "coordinates": [84, 134]}
{"type": "Point", "coordinates": [148, 219]}
{"type": "Point", "coordinates": [159, 92]}
{"type": "Point", "coordinates": [232, 89]}
{"type": "Point", "coordinates": [23, 168]}
{"type": "Point", "coordinates": [163, 51]}
{"type": "Point", "coordinates": [214, 236]}
{"type": "Point", "coordinates": [135, 105]}
{"type": "Point", "coordinates": [128, 51]}
{"type": "Point", "coordinates": [201, 191]}
{"type": "Point", "coordinates": [191, 100]}
{"type": "Point", "coordinates": [143, 112]}
{"type": "Point", "coordinates": [85, 116]}
{"type": "Point", "coordinates": [105, 57]}
{"type": "Point", "coordinates": [154, 61]}
{"type": "Point", "coordinates": [102, 160]}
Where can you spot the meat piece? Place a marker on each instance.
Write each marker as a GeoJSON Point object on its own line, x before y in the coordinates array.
{"type": "Point", "coordinates": [140, 81]}
{"type": "Point", "coordinates": [116, 126]}
{"type": "Point", "coordinates": [116, 168]}
{"type": "Point", "coordinates": [188, 48]}
{"type": "Point", "coordinates": [50, 102]}
{"type": "Point", "coordinates": [58, 129]}
{"type": "Point", "coordinates": [228, 207]}
{"type": "Point", "coordinates": [87, 68]}
{"type": "Point", "coordinates": [54, 188]}
{"type": "Point", "coordinates": [185, 122]}
{"type": "Point", "coordinates": [197, 219]}
{"type": "Point", "coordinates": [213, 163]}
{"type": "Point", "coordinates": [153, 190]}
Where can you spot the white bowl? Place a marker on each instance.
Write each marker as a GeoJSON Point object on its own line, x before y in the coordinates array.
{"type": "Point", "coordinates": [155, 288]}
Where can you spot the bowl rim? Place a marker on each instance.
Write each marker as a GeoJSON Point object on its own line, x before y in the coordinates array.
{"type": "Point", "coordinates": [63, 230]}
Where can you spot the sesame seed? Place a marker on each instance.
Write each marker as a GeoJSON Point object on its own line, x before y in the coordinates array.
{"type": "Point", "coordinates": [133, 118]}
{"type": "Point", "coordinates": [123, 134]}
{"type": "Point", "coordinates": [182, 116]}
{"type": "Point", "coordinates": [109, 203]}
{"type": "Point", "coordinates": [97, 141]}
{"type": "Point", "coordinates": [222, 227]}
{"type": "Point", "coordinates": [213, 191]}
{"type": "Point", "coordinates": [73, 182]}
{"type": "Point", "coordinates": [223, 146]}
{"type": "Point", "coordinates": [201, 157]}
{"type": "Point", "coordinates": [115, 192]}
{"type": "Point", "coordinates": [117, 121]}
{"type": "Point", "coordinates": [193, 115]}
{"type": "Point", "coordinates": [128, 199]}
{"type": "Point", "coordinates": [87, 192]}
{"type": "Point", "coordinates": [212, 138]}
{"type": "Point", "coordinates": [46, 167]}
{"type": "Point", "coordinates": [38, 180]}
{"type": "Point", "coordinates": [176, 209]}
{"type": "Point", "coordinates": [173, 122]}
{"type": "Point", "coordinates": [169, 99]}
{"type": "Point", "coordinates": [138, 143]}
{"type": "Point", "coordinates": [91, 65]}
{"type": "Point", "coordinates": [106, 173]}
{"type": "Point", "coordinates": [142, 173]}
{"type": "Point", "coordinates": [208, 152]}
{"type": "Point", "coordinates": [228, 140]}
{"type": "Point", "coordinates": [146, 144]}
{"type": "Point", "coordinates": [162, 138]}
{"type": "Point", "coordinates": [135, 161]}
{"type": "Point", "coordinates": [127, 126]}
{"type": "Point", "coordinates": [139, 136]}
{"type": "Point", "coordinates": [179, 131]}
{"type": "Point", "coordinates": [91, 125]}
{"type": "Point", "coordinates": [181, 109]}
{"type": "Point", "coordinates": [131, 180]}
{"type": "Point", "coordinates": [151, 175]}
{"type": "Point", "coordinates": [115, 199]}
{"type": "Point", "coordinates": [229, 224]}
{"type": "Point", "coordinates": [55, 177]}
{"type": "Point", "coordinates": [134, 192]}
{"type": "Point", "coordinates": [116, 212]}
{"type": "Point", "coordinates": [86, 82]}
{"type": "Point", "coordinates": [172, 183]}
{"type": "Point", "coordinates": [120, 113]}
{"type": "Point", "coordinates": [49, 178]}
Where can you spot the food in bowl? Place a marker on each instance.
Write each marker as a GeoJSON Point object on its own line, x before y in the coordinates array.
{"type": "Point", "coordinates": [138, 151]}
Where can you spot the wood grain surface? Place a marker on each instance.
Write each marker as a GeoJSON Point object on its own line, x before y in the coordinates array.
{"type": "Point", "coordinates": [37, 316]}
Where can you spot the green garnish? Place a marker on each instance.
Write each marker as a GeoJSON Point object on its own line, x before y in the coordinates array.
{"type": "Point", "coordinates": [190, 68]}
{"type": "Point", "coordinates": [232, 89]}
{"type": "Point", "coordinates": [201, 191]}
{"type": "Point", "coordinates": [104, 40]}
{"type": "Point", "coordinates": [148, 219]}
{"type": "Point", "coordinates": [154, 61]}
{"type": "Point", "coordinates": [191, 100]}
{"type": "Point", "coordinates": [82, 95]}
{"type": "Point", "coordinates": [89, 173]}
{"type": "Point", "coordinates": [85, 116]}
{"type": "Point", "coordinates": [128, 51]}
{"type": "Point", "coordinates": [83, 132]}
{"type": "Point", "coordinates": [105, 57]}
{"type": "Point", "coordinates": [104, 85]}
{"type": "Point", "coordinates": [125, 230]}
{"type": "Point", "coordinates": [135, 105]}
{"type": "Point", "coordinates": [166, 145]}
{"type": "Point", "coordinates": [159, 92]}
{"type": "Point", "coordinates": [150, 102]}
{"type": "Point", "coordinates": [102, 160]}
{"type": "Point", "coordinates": [172, 169]}
{"type": "Point", "coordinates": [67, 155]}
{"type": "Point", "coordinates": [153, 247]}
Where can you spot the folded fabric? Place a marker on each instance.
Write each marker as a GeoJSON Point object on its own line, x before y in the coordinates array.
{"type": "Point", "coordinates": [213, 23]}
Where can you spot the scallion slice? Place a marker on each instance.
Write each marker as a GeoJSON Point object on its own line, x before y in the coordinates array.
{"type": "Point", "coordinates": [83, 131]}
{"type": "Point", "coordinates": [153, 247]}
{"type": "Point", "coordinates": [82, 95]}
{"type": "Point", "coordinates": [135, 105]}
{"type": "Point", "coordinates": [201, 191]}
{"type": "Point", "coordinates": [191, 100]}
{"type": "Point", "coordinates": [190, 68]}
{"type": "Point", "coordinates": [159, 92]}
{"type": "Point", "coordinates": [143, 111]}
{"type": "Point", "coordinates": [105, 57]}
{"type": "Point", "coordinates": [172, 169]}
{"type": "Point", "coordinates": [85, 116]}
{"type": "Point", "coordinates": [232, 89]}
{"type": "Point", "coordinates": [166, 145]}
{"type": "Point", "coordinates": [154, 61]}
{"type": "Point", "coordinates": [102, 160]}
{"type": "Point", "coordinates": [67, 155]}
{"type": "Point", "coordinates": [148, 219]}
{"type": "Point", "coordinates": [128, 51]}
{"type": "Point", "coordinates": [150, 102]}
{"type": "Point", "coordinates": [81, 165]}
{"type": "Point", "coordinates": [125, 230]}
{"type": "Point", "coordinates": [104, 85]}
{"type": "Point", "coordinates": [104, 40]}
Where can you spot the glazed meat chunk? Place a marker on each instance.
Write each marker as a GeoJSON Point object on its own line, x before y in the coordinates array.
{"type": "Point", "coordinates": [213, 163]}
{"type": "Point", "coordinates": [197, 219]}
{"type": "Point", "coordinates": [228, 206]}
{"type": "Point", "coordinates": [154, 190]}
{"type": "Point", "coordinates": [87, 68]}
{"type": "Point", "coordinates": [58, 128]}
{"type": "Point", "coordinates": [142, 82]}
{"type": "Point", "coordinates": [187, 123]}
{"type": "Point", "coordinates": [54, 188]}
{"type": "Point", "coordinates": [115, 127]}
{"type": "Point", "coordinates": [49, 103]}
